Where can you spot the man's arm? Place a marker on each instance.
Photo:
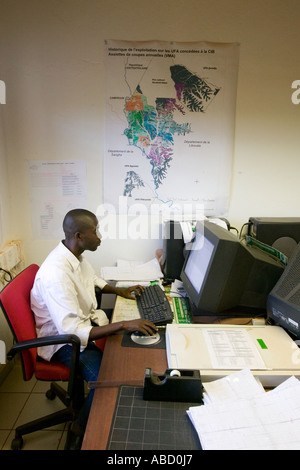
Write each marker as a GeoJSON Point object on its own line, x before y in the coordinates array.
{"type": "Point", "coordinates": [123, 292]}
{"type": "Point", "coordinates": [144, 326]}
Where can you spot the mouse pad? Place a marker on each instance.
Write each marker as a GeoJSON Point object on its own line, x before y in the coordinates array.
{"type": "Point", "coordinates": [161, 344]}
{"type": "Point", "coordinates": [140, 424]}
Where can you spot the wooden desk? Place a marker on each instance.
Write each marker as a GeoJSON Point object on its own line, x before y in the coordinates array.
{"type": "Point", "coordinates": [120, 365]}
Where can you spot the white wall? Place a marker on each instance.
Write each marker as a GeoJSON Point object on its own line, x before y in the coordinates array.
{"type": "Point", "coordinates": [5, 228]}
{"type": "Point", "coordinates": [51, 59]}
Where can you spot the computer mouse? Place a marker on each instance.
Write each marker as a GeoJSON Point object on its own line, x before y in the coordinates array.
{"type": "Point", "coordinates": [140, 338]}
{"type": "Point", "coordinates": [138, 333]}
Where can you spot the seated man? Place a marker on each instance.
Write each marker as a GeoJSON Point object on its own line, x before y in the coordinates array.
{"type": "Point", "coordinates": [64, 302]}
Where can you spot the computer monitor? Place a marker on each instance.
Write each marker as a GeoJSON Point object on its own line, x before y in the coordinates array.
{"type": "Point", "coordinates": [283, 304]}
{"type": "Point", "coordinates": [221, 274]}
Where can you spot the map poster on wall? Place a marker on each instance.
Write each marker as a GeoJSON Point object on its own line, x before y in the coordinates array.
{"type": "Point", "coordinates": [56, 186]}
{"type": "Point", "coordinates": [170, 119]}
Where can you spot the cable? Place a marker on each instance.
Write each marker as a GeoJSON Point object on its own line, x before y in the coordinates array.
{"type": "Point", "coordinates": [241, 232]}
{"type": "Point", "coordinates": [234, 228]}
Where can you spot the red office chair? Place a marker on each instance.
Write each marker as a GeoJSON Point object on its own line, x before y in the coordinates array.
{"type": "Point", "coordinates": [15, 303]}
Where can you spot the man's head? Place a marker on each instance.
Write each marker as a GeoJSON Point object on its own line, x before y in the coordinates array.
{"type": "Point", "coordinates": [81, 231]}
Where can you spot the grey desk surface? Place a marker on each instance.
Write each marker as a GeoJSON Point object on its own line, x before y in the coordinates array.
{"type": "Point", "coordinates": [150, 425]}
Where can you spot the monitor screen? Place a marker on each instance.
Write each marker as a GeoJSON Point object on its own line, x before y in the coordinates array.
{"type": "Point", "coordinates": [198, 262]}
{"type": "Point", "coordinates": [221, 273]}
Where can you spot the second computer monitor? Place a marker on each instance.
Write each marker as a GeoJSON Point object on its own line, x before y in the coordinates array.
{"type": "Point", "coordinates": [221, 274]}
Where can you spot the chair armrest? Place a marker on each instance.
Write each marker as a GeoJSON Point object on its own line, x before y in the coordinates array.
{"type": "Point", "coordinates": [48, 340]}
{"type": "Point", "coordinates": [44, 341]}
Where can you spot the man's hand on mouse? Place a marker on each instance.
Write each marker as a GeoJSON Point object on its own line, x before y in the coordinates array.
{"type": "Point", "coordinates": [144, 326]}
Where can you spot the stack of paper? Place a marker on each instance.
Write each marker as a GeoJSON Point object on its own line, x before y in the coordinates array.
{"type": "Point", "coordinates": [133, 271]}
{"type": "Point", "coordinates": [238, 385]}
{"type": "Point", "coordinates": [240, 415]}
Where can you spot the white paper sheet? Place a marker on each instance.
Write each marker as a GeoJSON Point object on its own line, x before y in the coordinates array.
{"type": "Point", "coordinates": [56, 187]}
{"type": "Point", "coordinates": [241, 384]}
{"type": "Point", "coordinates": [268, 421]}
{"type": "Point", "coordinates": [130, 271]}
{"type": "Point", "coordinates": [232, 349]}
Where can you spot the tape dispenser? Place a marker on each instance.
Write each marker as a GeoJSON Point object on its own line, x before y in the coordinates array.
{"type": "Point", "coordinates": [181, 385]}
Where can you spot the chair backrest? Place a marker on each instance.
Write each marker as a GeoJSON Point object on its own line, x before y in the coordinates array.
{"type": "Point", "coordinates": [15, 303]}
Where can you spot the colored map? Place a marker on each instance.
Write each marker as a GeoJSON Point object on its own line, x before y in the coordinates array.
{"type": "Point", "coordinates": [152, 128]}
{"type": "Point", "coordinates": [167, 124]}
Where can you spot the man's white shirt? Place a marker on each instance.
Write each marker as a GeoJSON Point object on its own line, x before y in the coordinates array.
{"type": "Point", "coordinates": [63, 298]}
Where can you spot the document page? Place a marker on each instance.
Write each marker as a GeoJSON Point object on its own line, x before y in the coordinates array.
{"type": "Point", "coordinates": [232, 349]}
{"type": "Point", "coordinates": [125, 309]}
{"type": "Point", "coordinates": [262, 421]}
{"type": "Point", "coordinates": [240, 384]}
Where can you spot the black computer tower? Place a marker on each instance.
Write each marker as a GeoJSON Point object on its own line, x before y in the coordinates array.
{"type": "Point", "coordinates": [283, 305]}
{"type": "Point", "coordinates": [173, 250]}
{"type": "Point", "coordinates": [283, 233]}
